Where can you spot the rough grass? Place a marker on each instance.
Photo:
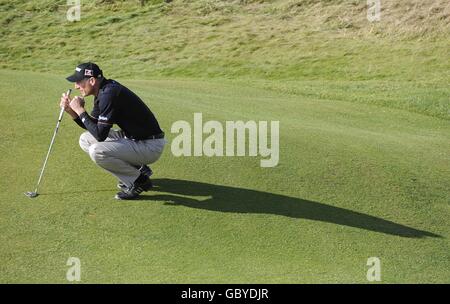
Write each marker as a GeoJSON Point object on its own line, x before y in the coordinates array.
{"type": "Point", "coordinates": [272, 40]}
{"type": "Point", "coordinates": [275, 39]}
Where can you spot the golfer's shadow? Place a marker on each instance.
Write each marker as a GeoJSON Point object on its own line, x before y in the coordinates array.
{"type": "Point", "coordinates": [237, 200]}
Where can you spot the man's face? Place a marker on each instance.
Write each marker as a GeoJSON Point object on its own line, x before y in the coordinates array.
{"type": "Point", "coordinates": [85, 86]}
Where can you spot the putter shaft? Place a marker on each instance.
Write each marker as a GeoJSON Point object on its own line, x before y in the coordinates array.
{"type": "Point", "coordinates": [61, 113]}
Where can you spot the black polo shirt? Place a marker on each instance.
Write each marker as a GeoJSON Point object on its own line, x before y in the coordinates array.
{"type": "Point", "coordinates": [116, 104]}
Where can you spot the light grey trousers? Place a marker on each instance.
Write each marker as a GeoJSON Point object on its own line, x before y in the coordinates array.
{"type": "Point", "coordinates": [119, 155]}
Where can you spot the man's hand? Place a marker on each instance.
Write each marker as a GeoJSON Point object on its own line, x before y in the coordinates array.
{"type": "Point", "coordinates": [65, 104]}
{"type": "Point", "coordinates": [77, 105]}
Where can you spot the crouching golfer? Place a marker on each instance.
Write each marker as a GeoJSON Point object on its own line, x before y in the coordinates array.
{"type": "Point", "coordinates": [124, 153]}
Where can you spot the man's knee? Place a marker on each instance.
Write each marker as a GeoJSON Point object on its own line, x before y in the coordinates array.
{"type": "Point", "coordinates": [85, 141]}
{"type": "Point", "coordinates": [96, 152]}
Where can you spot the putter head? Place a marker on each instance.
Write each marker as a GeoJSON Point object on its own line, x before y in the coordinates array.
{"type": "Point", "coordinates": [31, 194]}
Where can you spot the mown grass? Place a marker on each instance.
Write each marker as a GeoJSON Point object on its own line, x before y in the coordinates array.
{"type": "Point", "coordinates": [354, 181]}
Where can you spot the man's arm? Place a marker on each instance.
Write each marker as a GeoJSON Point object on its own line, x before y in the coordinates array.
{"type": "Point", "coordinates": [99, 130]}
{"type": "Point", "coordinates": [79, 122]}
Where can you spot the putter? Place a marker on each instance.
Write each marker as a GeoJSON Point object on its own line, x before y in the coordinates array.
{"type": "Point", "coordinates": [35, 193]}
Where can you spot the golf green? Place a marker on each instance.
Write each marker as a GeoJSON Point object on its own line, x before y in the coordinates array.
{"type": "Point", "coordinates": [353, 181]}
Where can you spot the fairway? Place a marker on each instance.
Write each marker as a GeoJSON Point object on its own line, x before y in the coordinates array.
{"type": "Point", "coordinates": [355, 180]}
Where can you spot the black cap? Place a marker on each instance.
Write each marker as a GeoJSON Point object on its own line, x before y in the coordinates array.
{"type": "Point", "coordinates": [85, 70]}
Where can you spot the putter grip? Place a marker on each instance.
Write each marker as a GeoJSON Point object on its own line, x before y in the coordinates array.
{"type": "Point", "coordinates": [62, 109]}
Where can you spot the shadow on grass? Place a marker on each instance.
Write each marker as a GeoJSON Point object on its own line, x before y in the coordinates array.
{"type": "Point", "coordinates": [237, 200]}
